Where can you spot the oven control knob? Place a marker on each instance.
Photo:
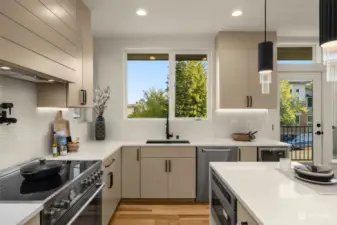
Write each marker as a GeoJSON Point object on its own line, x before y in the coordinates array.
{"type": "Point", "coordinates": [65, 203]}
{"type": "Point", "coordinates": [52, 212]}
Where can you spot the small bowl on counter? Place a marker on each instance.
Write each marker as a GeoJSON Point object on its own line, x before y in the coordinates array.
{"type": "Point", "coordinates": [73, 146]}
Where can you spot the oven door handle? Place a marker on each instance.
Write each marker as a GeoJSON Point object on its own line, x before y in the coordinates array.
{"type": "Point", "coordinates": [86, 204]}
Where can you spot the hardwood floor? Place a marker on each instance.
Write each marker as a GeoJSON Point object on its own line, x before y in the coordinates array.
{"type": "Point", "coordinates": [161, 214]}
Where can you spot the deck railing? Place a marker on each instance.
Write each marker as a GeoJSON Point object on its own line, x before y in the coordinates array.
{"type": "Point", "coordinates": [301, 138]}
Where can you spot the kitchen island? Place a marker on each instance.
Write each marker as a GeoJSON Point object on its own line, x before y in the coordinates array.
{"type": "Point", "coordinates": [270, 197]}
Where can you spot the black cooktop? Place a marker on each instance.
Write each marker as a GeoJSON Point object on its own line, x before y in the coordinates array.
{"type": "Point", "coordinates": [14, 187]}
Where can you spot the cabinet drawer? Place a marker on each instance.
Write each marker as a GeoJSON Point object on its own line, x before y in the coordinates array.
{"type": "Point", "coordinates": [168, 152]}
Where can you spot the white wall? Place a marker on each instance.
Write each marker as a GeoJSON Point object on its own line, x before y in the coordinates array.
{"type": "Point", "coordinates": [31, 136]}
{"type": "Point", "coordinates": [109, 67]}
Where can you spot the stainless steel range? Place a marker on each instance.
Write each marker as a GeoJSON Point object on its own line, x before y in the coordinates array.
{"type": "Point", "coordinates": [73, 196]}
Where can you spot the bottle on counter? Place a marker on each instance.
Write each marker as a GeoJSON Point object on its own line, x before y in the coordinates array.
{"type": "Point", "coordinates": [54, 146]}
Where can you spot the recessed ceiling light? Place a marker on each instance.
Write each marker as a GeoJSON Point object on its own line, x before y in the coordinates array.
{"type": "Point", "coordinates": [152, 57]}
{"type": "Point", "coordinates": [237, 13]}
{"type": "Point", "coordinates": [5, 68]}
{"type": "Point", "coordinates": [51, 80]}
{"type": "Point", "coordinates": [141, 12]}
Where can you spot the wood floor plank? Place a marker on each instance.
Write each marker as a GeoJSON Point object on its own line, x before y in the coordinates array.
{"type": "Point", "coordinates": [161, 214]}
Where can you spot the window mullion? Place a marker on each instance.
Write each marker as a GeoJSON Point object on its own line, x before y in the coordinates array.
{"type": "Point", "coordinates": [172, 71]}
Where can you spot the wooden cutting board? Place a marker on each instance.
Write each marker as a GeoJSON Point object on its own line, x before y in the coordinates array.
{"type": "Point", "coordinates": [60, 124]}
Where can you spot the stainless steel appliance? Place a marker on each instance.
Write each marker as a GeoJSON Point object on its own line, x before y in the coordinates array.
{"type": "Point", "coordinates": [223, 202]}
{"type": "Point", "coordinates": [272, 154]}
{"type": "Point", "coordinates": [71, 197]}
{"type": "Point", "coordinates": [205, 155]}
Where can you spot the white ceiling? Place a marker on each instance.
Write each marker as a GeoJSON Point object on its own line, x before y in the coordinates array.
{"type": "Point", "coordinates": [117, 18]}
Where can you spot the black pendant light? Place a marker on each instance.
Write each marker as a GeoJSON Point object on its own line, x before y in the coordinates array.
{"type": "Point", "coordinates": [265, 56]}
{"type": "Point", "coordinates": [327, 21]}
{"type": "Point", "coordinates": [328, 36]}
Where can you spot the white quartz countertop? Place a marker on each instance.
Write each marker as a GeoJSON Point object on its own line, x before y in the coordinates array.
{"type": "Point", "coordinates": [18, 213]}
{"type": "Point", "coordinates": [100, 150]}
{"type": "Point", "coordinates": [272, 198]}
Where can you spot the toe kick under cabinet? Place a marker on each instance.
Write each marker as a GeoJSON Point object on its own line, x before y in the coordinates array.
{"type": "Point", "coordinates": [168, 173]}
{"type": "Point", "coordinates": [112, 192]}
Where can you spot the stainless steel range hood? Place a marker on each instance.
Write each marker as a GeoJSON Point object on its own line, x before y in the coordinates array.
{"type": "Point", "coordinates": [22, 73]}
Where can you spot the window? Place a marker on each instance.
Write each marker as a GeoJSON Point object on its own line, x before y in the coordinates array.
{"type": "Point", "coordinates": [147, 85]}
{"type": "Point", "coordinates": [309, 102]}
{"type": "Point", "coordinates": [297, 119]}
{"type": "Point", "coordinates": [167, 84]}
{"type": "Point", "coordinates": [294, 55]}
{"type": "Point", "coordinates": [191, 86]}
{"type": "Point", "coordinates": [309, 120]}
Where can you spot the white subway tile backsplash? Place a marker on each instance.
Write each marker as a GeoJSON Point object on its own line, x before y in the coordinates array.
{"type": "Point", "coordinates": [31, 136]}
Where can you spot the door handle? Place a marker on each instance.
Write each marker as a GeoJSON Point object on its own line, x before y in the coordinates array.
{"type": "Point", "coordinates": [216, 150]}
{"type": "Point", "coordinates": [111, 174]}
{"type": "Point", "coordinates": [239, 153]}
{"type": "Point", "coordinates": [251, 101]}
{"type": "Point", "coordinates": [319, 133]}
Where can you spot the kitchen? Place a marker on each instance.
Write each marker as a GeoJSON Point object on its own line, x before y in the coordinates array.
{"type": "Point", "coordinates": [57, 52]}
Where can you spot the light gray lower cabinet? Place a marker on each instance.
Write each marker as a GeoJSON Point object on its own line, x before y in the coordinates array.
{"type": "Point", "coordinates": [168, 172]}
{"type": "Point", "coordinates": [34, 221]}
{"type": "Point", "coordinates": [244, 217]}
{"type": "Point", "coordinates": [112, 192]}
{"type": "Point", "coordinates": [131, 172]}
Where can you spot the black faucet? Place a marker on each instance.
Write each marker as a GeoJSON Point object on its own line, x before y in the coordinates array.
{"type": "Point", "coordinates": [168, 135]}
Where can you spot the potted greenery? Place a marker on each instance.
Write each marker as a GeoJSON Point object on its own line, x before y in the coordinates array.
{"type": "Point", "coordinates": [101, 98]}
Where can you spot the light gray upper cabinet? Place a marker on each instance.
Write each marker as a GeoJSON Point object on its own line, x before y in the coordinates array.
{"type": "Point", "coordinates": [78, 94]}
{"type": "Point", "coordinates": [29, 43]}
{"type": "Point", "coordinates": [238, 77]}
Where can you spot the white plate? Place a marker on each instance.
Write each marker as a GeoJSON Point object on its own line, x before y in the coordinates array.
{"type": "Point", "coordinates": [331, 182]}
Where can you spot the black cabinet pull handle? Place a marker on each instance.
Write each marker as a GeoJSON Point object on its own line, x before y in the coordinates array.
{"type": "Point", "coordinates": [138, 155]}
{"type": "Point", "coordinates": [83, 97]}
{"type": "Point", "coordinates": [251, 101]}
{"type": "Point", "coordinates": [111, 179]}
{"type": "Point", "coordinates": [239, 152]}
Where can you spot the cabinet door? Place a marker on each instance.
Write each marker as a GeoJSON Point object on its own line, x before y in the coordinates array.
{"type": "Point", "coordinates": [116, 180]}
{"type": "Point", "coordinates": [259, 100]}
{"type": "Point", "coordinates": [182, 178]}
{"type": "Point", "coordinates": [233, 78]}
{"type": "Point", "coordinates": [131, 172]}
{"type": "Point", "coordinates": [84, 71]}
{"type": "Point", "coordinates": [154, 182]}
{"type": "Point", "coordinates": [34, 221]}
{"type": "Point", "coordinates": [244, 216]}
{"type": "Point", "coordinates": [247, 154]}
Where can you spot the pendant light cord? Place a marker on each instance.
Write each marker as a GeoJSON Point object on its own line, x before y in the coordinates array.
{"type": "Point", "coordinates": [265, 20]}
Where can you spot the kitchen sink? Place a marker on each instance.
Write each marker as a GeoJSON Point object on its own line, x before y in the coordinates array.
{"type": "Point", "coordinates": [167, 142]}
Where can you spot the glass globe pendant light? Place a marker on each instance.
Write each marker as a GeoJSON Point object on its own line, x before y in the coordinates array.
{"type": "Point", "coordinates": [266, 58]}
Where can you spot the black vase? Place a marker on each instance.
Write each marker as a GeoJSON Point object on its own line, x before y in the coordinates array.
{"type": "Point", "coordinates": [100, 128]}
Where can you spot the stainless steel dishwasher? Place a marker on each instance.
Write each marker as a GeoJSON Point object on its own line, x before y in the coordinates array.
{"type": "Point", "coordinates": [205, 155]}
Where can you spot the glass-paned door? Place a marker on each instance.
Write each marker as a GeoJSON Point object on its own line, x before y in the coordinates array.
{"type": "Point", "coordinates": [301, 115]}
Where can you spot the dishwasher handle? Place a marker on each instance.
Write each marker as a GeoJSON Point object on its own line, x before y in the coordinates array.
{"type": "Point", "coordinates": [216, 150]}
